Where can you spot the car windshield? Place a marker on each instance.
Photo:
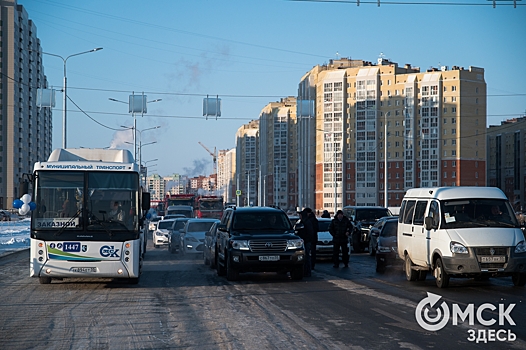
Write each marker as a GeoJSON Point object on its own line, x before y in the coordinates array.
{"type": "Point", "coordinates": [371, 214]}
{"type": "Point", "coordinates": [261, 221]}
{"type": "Point", "coordinates": [389, 229]}
{"type": "Point", "coordinates": [199, 226]}
{"type": "Point", "coordinates": [164, 225]}
{"type": "Point", "coordinates": [179, 224]}
{"type": "Point", "coordinates": [477, 213]}
{"type": "Point", "coordinates": [323, 225]}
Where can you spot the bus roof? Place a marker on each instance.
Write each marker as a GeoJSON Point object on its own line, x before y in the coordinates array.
{"type": "Point", "coordinates": [89, 159]}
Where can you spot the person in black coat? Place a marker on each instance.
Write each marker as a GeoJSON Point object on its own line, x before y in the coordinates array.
{"type": "Point", "coordinates": [340, 229]}
{"type": "Point", "coordinates": [315, 225]}
{"type": "Point", "coordinates": [326, 214]}
{"type": "Point", "coordinates": [307, 234]}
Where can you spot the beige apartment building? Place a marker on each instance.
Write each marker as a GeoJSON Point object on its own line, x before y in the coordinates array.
{"type": "Point", "coordinates": [25, 129]}
{"type": "Point", "coordinates": [278, 155]}
{"type": "Point", "coordinates": [506, 168]}
{"type": "Point", "coordinates": [435, 122]}
{"type": "Point", "coordinates": [247, 161]}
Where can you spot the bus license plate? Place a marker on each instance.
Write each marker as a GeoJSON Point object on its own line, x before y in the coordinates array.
{"type": "Point", "coordinates": [493, 259]}
{"type": "Point", "coordinates": [269, 258]}
{"type": "Point", "coordinates": [84, 269]}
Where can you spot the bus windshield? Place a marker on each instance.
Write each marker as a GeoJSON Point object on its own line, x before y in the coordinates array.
{"type": "Point", "coordinates": [85, 201]}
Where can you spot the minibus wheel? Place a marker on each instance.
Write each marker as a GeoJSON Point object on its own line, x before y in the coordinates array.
{"type": "Point", "coordinates": [519, 279]}
{"type": "Point", "coordinates": [410, 274]}
{"type": "Point", "coordinates": [442, 277]}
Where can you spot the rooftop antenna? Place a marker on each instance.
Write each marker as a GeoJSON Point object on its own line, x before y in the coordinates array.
{"type": "Point", "coordinates": [337, 55]}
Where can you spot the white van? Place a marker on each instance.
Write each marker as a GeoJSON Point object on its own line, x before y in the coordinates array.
{"type": "Point", "coordinates": [460, 232]}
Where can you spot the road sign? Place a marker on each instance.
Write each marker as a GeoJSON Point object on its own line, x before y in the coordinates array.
{"type": "Point", "coordinates": [238, 192]}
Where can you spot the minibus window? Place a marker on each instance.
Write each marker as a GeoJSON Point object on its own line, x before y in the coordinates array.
{"type": "Point", "coordinates": [409, 210]}
{"type": "Point", "coordinates": [419, 212]}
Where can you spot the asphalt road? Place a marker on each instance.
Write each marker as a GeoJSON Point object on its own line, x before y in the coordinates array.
{"type": "Point", "coordinates": [182, 304]}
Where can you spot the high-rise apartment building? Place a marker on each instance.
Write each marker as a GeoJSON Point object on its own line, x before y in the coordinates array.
{"type": "Point", "coordinates": [247, 163]}
{"type": "Point", "coordinates": [278, 150]}
{"type": "Point", "coordinates": [25, 129]}
{"type": "Point", "coordinates": [435, 122]}
{"type": "Point", "coordinates": [226, 170]}
{"type": "Point", "coordinates": [506, 168]}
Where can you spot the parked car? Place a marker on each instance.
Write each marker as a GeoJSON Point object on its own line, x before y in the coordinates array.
{"type": "Point", "coordinates": [152, 225]}
{"type": "Point", "coordinates": [324, 243]}
{"type": "Point", "coordinates": [387, 248]}
{"type": "Point", "coordinates": [174, 239]}
{"type": "Point", "coordinates": [193, 235]}
{"type": "Point", "coordinates": [209, 253]}
{"type": "Point", "coordinates": [258, 239]}
{"type": "Point", "coordinates": [161, 234]}
{"type": "Point", "coordinates": [362, 219]}
{"type": "Point", "coordinates": [173, 216]}
{"type": "Point", "coordinates": [5, 215]}
{"type": "Point", "coordinates": [375, 232]}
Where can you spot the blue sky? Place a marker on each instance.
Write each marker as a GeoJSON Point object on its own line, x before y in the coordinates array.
{"type": "Point", "coordinates": [249, 53]}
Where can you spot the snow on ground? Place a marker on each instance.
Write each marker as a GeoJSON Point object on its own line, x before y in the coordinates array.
{"type": "Point", "coordinates": [14, 235]}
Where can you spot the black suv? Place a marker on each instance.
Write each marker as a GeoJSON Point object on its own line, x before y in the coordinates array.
{"type": "Point", "coordinates": [362, 219]}
{"type": "Point", "coordinates": [257, 239]}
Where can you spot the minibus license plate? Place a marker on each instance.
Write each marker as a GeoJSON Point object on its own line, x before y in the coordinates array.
{"type": "Point", "coordinates": [84, 269]}
{"type": "Point", "coordinates": [492, 259]}
{"type": "Point", "coordinates": [269, 258]}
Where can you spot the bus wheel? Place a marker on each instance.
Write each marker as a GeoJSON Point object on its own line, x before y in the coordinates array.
{"type": "Point", "coordinates": [44, 280]}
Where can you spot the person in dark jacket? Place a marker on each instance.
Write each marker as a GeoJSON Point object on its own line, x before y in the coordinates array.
{"type": "Point", "coordinates": [340, 229]}
{"type": "Point", "coordinates": [312, 218]}
{"type": "Point", "coordinates": [307, 234]}
{"type": "Point", "coordinates": [326, 214]}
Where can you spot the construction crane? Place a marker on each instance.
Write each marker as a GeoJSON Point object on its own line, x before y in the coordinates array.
{"type": "Point", "coordinates": [213, 154]}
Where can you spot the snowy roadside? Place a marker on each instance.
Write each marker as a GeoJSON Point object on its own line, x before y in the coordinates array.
{"type": "Point", "coordinates": [14, 236]}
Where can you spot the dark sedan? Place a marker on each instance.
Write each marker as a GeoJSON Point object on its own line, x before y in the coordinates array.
{"type": "Point", "coordinates": [387, 248]}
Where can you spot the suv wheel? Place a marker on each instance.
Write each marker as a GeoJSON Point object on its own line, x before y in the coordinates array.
{"type": "Point", "coordinates": [372, 251]}
{"type": "Point", "coordinates": [221, 271]}
{"type": "Point", "coordinates": [231, 273]}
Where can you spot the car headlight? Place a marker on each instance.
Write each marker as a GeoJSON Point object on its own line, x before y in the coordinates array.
{"type": "Point", "coordinates": [295, 243]}
{"type": "Point", "coordinates": [457, 248]}
{"type": "Point", "coordinates": [520, 248]}
{"type": "Point", "coordinates": [239, 245]}
{"type": "Point", "coordinates": [157, 233]}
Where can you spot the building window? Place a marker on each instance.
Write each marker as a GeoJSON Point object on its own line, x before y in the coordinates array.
{"type": "Point", "coordinates": [476, 175]}
{"type": "Point", "coordinates": [453, 120]}
{"type": "Point", "coordinates": [453, 163]}
{"type": "Point", "coordinates": [453, 152]}
{"type": "Point", "coordinates": [453, 109]}
{"type": "Point", "coordinates": [453, 131]}
{"type": "Point", "coordinates": [453, 99]}
{"type": "Point", "coordinates": [453, 88]}
{"type": "Point", "coordinates": [454, 174]}
{"type": "Point", "coordinates": [445, 175]}
{"type": "Point", "coordinates": [445, 164]}
{"type": "Point", "coordinates": [445, 110]}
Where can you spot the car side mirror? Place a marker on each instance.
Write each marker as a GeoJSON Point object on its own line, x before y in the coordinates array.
{"type": "Point", "coordinates": [221, 227]}
{"type": "Point", "coordinates": [374, 234]}
{"type": "Point", "coordinates": [428, 223]}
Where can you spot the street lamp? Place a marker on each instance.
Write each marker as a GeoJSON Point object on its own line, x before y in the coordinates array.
{"type": "Point", "coordinates": [64, 89]}
{"type": "Point", "coordinates": [133, 108]}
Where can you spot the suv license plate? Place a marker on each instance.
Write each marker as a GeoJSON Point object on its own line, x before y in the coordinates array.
{"type": "Point", "coordinates": [84, 269]}
{"type": "Point", "coordinates": [269, 258]}
{"type": "Point", "coordinates": [493, 259]}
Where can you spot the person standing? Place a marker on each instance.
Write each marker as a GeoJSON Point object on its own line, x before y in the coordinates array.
{"type": "Point", "coordinates": [340, 228]}
{"type": "Point", "coordinates": [307, 234]}
{"type": "Point", "coordinates": [326, 214]}
{"type": "Point", "coordinates": [312, 218]}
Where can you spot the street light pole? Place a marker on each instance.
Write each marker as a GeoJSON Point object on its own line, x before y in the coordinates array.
{"type": "Point", "coordinates": [385, 162]}
{"type": "Point", "coordinates": [64, 90]}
